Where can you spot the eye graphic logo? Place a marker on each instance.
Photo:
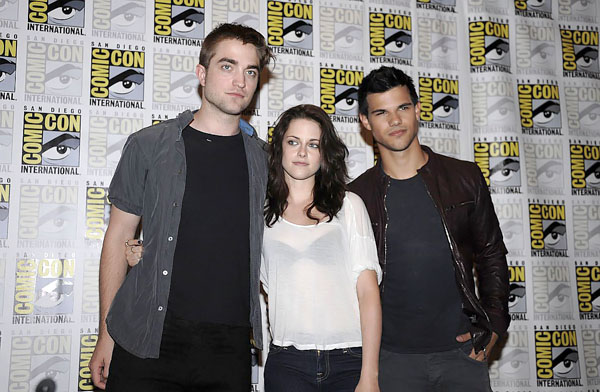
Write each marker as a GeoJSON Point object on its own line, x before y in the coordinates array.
{"type": "Point", "coordinates": [583, 109]}
{"type": "Point", "coordinates": [512, 368]}
{"type": "Point", "coordinates": [179, 22]}
{"type": "Point", "coordinates": [557, 358]}
{"type": "Point", "coordinates": [290, 27]}
{"type": "Point", "coordinates": [517, 299]}
{"type": "Point", "coordinates": [494, 106]}
{"type": "Point", "coordinates": [489, 46]}
{"type": "Point", "coordinates": [290, 85]}
{"type": "Point", "coordinates": [8, 67]}
{"type": "Point", "coordinates": [585, 169]}
{"type": "Point", "coordinates": [551, 292]}
{"type": "Point", "coordinates": [439, 103]}
{"type": "Point", "coordinates": [539, 109]}
{"type": "Point", "coordinates": [548, 230]}
{"type": "Point", "coordinates": [120, 16]}
{"type": "Point", "coordinates": [437, 45]}
{"type": "Point", "coordinates": [580, 53]}
{"type": "Point", "coordinates": [340, 33]}
{"type": "Point", "coordinates": [9, 10]}
{"type": "Point", "coordinates": [57, 12]}
{"type": "Point", "coordinates": [107, 137]}
{"type": "Point", "coordinates": [234, 11]}
{"type": "Point", "coordinates": [536, 51]}
{"type": "Point", "coordinates": [588, 291]}
{"type": "Point", "coordinates": [174, 85]}
{"type": "Point", "coordinates": [500, 165]}
{"type": "Point", "coordinates": [339, 93]}
{"type": "Point", "coordinates": [534, 8]}
{"type": "Point", "coordinates": [4, 209]}
{"type": "Point", "coordinates": [117, 78]}
{"type": "Point", "coordinates": [510, 216]}
{"type": "Point", "coordinates": [544, 166]}
{"type": "Point", "coordinates": [586, 228]}
{"type": "Point", "coordinates": [390, 38]}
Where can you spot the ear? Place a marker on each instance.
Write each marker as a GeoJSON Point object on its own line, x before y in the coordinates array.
{"type": "Point", "coordinates": [201, 74]}
{"type": "Point", "coordinates": [418, 110]}
{"type": "Point", "coordinates": [365, 121]}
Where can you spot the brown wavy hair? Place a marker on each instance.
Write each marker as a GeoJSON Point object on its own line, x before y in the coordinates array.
{"type": "Point", "coordinates": [330, 179]}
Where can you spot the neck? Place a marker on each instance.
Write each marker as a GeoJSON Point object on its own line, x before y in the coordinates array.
{"type": "Point", "coordinates": [300, 191]}
{"type": "Point", "coordinates": [210, 120]}
{"type": "Point", "coordinates": [402, 165]}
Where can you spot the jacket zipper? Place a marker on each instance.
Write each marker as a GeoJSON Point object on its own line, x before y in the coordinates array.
{"type": "Point", "coordinates": [385, 234]}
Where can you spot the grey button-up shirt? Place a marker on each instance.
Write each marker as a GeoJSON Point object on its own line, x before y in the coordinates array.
{"type": "Point", "coordinates": [150, 182]}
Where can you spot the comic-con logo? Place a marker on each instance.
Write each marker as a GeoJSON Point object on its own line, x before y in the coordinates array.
{"type": "Point", "coordinates": [4, 209]}
{"type": "Point", "coordinates": [56, 16]}
{"type": "Point", "coordinates": [437, 45]}
{"type": "Point", "coordinates": [439, 102]}
{"type": "Point", "coordinates": [10, 12]}
{"type": "Point", "coordinates": [117, 78]}
{"type": "Point", "coordinates": [544, 166]}
{"type": "Point", "coordinates": [551, 292]}
{"type": "Point", "coordinates": [55, 70]}
{"type": "Point", "coordinates": [588, 291]}
{"type": "Point", "coordinates": [535, 49]}
{"type": "Point", "coordinates": [90, 303]}
{"type": "Point", "coordinates": [340, 33]}
{"type": "Point", "coordinates": [174, 86]}
{"type": "Point", "coordinates": [43, 291]}
{"type": "Point", "coordinates": [512, 368]}
{"type": "Point", "coordinates": [339, 93]}
{"type": "Point", "coordinates": [290, 27]}
{"type": "Point", "coordinates": [500, 164]}
{"type": "Point", "coordinates": [6, 135]}
{"type": "Point", "coordinates": [493, 105]}
{"type": "Point", "coordinates": [517, 299]}
{"type": "Point", "coordinates": [116, 19]}
{"type": "Point", "coordinates": [38, 362]}
{"type": "Point", "coordinates": [442, 142]}
{"type": "Point", "coordinates": [590, 339]}
{"type": "Point", "coordinates": [179, 22]}
{"type": "Point", "coordinates": [291, 85]}
{"type": "Point", "coordinates": [234, 11]}
{"type": "Point", "coordinates": [97, 211]}
{"type": "Point", "coordinates": [489, 46]}
{"type": "Point", "coordinates": [586, 228]}
{"type": "Point", "coordinates": [510, 216]}
{"type": "Point", "coordinates": [390, 38]}
{"type": "Point", "coordinates": [47, 216]}
{"type": "Point", "coordinates": [557, 358]}
{"type": "Point", "coordinates": [583, 109]}
{"type": "Point", "coordinates": [539, 109]}
{"type": "Point", "coordinates": [8, 68]}
{"type": "Point", "coordinates": [579, 11]}
{"type": "Point", "coordinates": [87, 344]}
{"type": "Point", "coordinates": [533, 9]}
{"type": "Point", "coordinates": [580, 53]}
{"type": "Point", "coordinates": [548, 229]}
{"type": "Point", "coordinates": [51, 143]}
{"type": "Point", "coordinates": [438, 5]}
{"type": "Point", "coordinates": [585, 169]}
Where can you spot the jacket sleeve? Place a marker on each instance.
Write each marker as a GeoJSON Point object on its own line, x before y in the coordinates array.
{"type": "Point", "coordinates": [490, 258]}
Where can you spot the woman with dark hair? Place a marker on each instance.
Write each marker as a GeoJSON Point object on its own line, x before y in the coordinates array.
{"type": "Point", "coordinates": [319, 266]}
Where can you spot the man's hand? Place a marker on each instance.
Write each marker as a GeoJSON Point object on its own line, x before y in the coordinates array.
{"type": "Point", "coordinates": [367, 384]}
{"type": "Point", "coordinates": [483, 354]}
{"type": "Point", "coordinates": [100, 362]}
{"type": "Point", "coordinates": [133, 251]}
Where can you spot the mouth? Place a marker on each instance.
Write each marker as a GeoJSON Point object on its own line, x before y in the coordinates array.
{"type": "Point", "coordinates": [398, 132]}
{"type": "Point", "coordinates": [300, 163]}
{"type": "Point", "coordinates": [236, 95]}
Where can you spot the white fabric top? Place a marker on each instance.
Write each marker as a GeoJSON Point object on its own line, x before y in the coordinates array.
{"type": "Point", "coordinates": [310, 275]}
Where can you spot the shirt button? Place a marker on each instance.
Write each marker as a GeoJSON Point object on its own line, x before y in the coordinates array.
{"type": "Point", "coordinates": [165, 272]}
{"type": "Point", "coordinates": [160, 308]}
{"type": "Point", "coordinates": [170, 239]}
{"type": "Point", "coordinates": [175, 204]}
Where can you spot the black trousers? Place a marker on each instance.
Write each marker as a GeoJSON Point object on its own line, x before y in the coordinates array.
{"type": "Point", "coordinates": [193, 357]}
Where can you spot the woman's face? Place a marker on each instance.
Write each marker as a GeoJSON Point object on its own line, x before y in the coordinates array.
{"type": "Point", "coordinates": [301, 156]}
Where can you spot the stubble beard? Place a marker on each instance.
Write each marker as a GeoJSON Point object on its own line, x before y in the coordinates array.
{"type": "Point", "coordinates": [221, 104]}
{"type": "Point", "coordinates": [396, 149]}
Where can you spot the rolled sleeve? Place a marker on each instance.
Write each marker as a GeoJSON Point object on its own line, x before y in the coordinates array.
{"type": "Point", "coordinates": [126, 191]}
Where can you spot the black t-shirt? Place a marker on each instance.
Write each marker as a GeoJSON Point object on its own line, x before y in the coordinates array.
{"type": "Point", "coordinates": [211, 267]}
{"type": "Point", "coordinates": [422, 309]}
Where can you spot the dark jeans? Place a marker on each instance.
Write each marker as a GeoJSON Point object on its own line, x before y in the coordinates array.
{"type": "Point", "coordinates": [291, 370]}
{"type": "Point", "coordinates": [193, 357]}
{"type": "Point", "coordinates": [450, 370]}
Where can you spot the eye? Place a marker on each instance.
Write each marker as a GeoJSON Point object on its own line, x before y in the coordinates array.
{"type": "Point", "coordinates": [589, 115]}
{"type": "Point", "coordinates": [511, 230]}
{"type": "Point", "coordinates": [5, 4]}
{"type": "Point", "coordinates": [565, 364]}
{"type": "Point", "coordinates": [59, 148]}
{"type": "Point", "coordinates": [586, 57]}
{"type": "Point", "coordinates": [500, 110]}
{"type": "Point", "coordinates": [445, 107]}
{"type": "Point", "coordinates": [292, 142]}
{"type": "Point", "coordinates": [542, 53]}
{"type": "Point", "coordinates": [7, 67]}
{"type": "Point", "coordinates": [497, 50]}
{"type": "Point", "coordinates": [125, 82]}
{"type": "Point", "coordinates": [186, 22]}
{"type": "Point", "coordinates": [592, 175]}
{"type": "Point", "coordinates": [314, 145]}
{"type": "Point", "coordinates": [57, 220]}
{"type": "Point", "coordinates": [127, 14]}
{"type": "Point", "coordinates": [580, 6]}
{"type": "Point", "coordinates": [347, 101]}
{"type": "Point", "coordinates": [397, 42]}
{"type": "Point", "coordinates": [513, 363]}
{"type": "Point", "coordinates": [63, 77]}
{"type": "Point", "coordinates": [504, 170]}
{"type": "Point", "coordinates": [184, 88]}
{"type": "Point", "coordinates": [554, 233]}
{"type": "Point", "coordinates": [517, 292]}
{"type": "Point", "coordinates": [536, 3]}
{"type": "Point", "coordinates": [549, 172]}
{"type": "Point", "coordinates": [546, 112]}
{"type": "Point", "coordinates": [297, 94]}
{"type": "Point", "coordinates": [67, 10]}
{"type": "Point", "coordinates": [443, 46]}
{"type": "Point", "coordinates": [297, 32]}
{"type": "Point", "coordinates": [349, 37]}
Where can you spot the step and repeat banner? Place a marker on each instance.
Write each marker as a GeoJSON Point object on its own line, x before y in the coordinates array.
{"type": "Point", "coordinates": [512, 85]}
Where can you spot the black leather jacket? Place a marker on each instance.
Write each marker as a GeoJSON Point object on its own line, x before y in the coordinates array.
{"type": "Point", "coordinates": [461, 196]}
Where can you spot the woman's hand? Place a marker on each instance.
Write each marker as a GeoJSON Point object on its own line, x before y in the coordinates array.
{"type": "Point", "coordinates": [367, 384]}
{"type": "Point", "coordinates": [133, 251]}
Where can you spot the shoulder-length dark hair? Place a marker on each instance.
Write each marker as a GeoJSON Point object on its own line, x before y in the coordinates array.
{"type": "Point", "coordinates": [330, 180]}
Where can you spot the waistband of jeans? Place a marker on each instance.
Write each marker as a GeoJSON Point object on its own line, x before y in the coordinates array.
{"type": "Point", "coordinates": [312, 351]}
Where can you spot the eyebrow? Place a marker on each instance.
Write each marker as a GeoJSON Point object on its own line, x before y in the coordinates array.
{"type": "Point", "coordinates": [235, 62]}
{"type": "Point", "coordinates": [310, 140]}
{"type": "Point", "coordinates": [399, 106]}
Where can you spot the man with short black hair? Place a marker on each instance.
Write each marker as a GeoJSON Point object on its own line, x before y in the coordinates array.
{"type": "Point", "coordinates": [182, 318]}
{"type": "Point", "coordinates": [433, 221]}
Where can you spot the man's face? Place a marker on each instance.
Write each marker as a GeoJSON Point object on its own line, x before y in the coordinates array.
{"type": "Point", "coordinates": [393, 119]}
{"type": "Point", "coordinates": [230, 81]}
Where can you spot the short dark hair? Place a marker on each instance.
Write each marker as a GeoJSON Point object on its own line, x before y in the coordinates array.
{"type": "Point", "coordinates": [330, 181]}
{"type": "Point", "coordinates": [381, 80]}
{"type": "Point", "coordinates": [235, 31]}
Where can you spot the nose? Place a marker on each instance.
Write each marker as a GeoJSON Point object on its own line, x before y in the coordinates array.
{"type": "Point", "coordinates": [302, 151]}
{"type": "Point", "coordinates": [394, 119]}
{"type": "Point", "coordinates": [239, 80]}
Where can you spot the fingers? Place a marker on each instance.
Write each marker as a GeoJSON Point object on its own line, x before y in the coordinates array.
{"type": "Point", "coordinates": [97, 375]}
{"type": "Point", "coordinates": [465, 337]}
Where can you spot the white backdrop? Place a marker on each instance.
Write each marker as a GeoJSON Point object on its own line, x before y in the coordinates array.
{"type": "Point", "coordinates": [513, 85]}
